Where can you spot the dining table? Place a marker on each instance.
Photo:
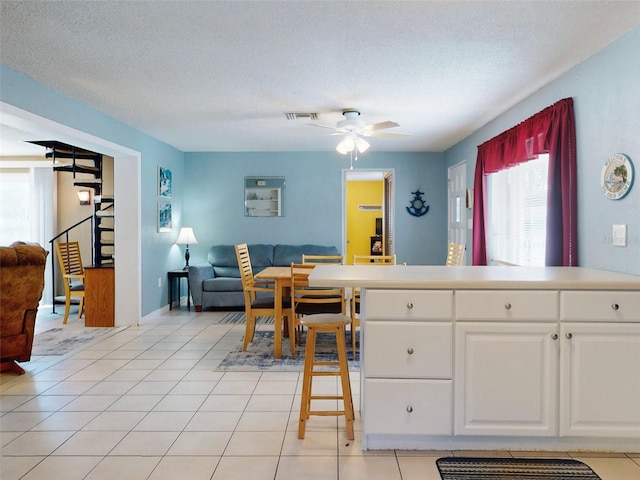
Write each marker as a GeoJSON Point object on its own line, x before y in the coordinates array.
{"type": "Point", "coordinates": [282, 285]}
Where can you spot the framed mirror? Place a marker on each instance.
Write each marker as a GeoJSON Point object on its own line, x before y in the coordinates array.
{"type": "Point", "coordinates": [264, 196]}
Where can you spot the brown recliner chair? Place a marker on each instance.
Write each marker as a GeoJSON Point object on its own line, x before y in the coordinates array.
{"type": "Point", "coordinates": [21, 283]}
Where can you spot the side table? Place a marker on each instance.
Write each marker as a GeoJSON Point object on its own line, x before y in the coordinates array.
{"type": "Point", "coordinates": [176, 275]}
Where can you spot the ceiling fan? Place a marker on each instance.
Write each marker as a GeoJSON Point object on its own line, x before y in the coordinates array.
{"type": "Point", "coordinates": [354, 128]}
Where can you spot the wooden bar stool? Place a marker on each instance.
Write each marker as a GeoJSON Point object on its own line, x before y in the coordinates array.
{"type": "Point", "coordinates": [326, 323]}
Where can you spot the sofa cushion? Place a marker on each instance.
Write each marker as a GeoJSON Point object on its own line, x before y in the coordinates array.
{"type": "Point", "coordinates": [225, 263]}
{"type": "Point", "coordinates": [285, 255]}
{"type": "Point", "coordinates": [222, 284]}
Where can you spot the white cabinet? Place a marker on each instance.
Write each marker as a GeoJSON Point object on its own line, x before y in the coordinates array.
{"type": "Point", "coordinates": [506, 379]}
{"type": "Point", "coordinates": [493, 368]}
{"type": "Point", "coordinates": [262, 202]}
{"type": "Point", "coordinates": [407, 363]}
{"type": "Point", "coordinates": [600, 379]}
{"type": "Point", "coordinates": [506, 362]}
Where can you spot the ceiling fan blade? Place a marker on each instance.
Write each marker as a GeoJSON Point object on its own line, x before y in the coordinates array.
{"type": "Point", "coordinates": [381, 126]}
{"type": "Point", "coordinates": [322, 126]}
{"type": "Point", "coordinates": [389, 135]}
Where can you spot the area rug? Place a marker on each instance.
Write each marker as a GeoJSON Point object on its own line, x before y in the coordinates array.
{"type": "Point", "coordinates": [238, 317]}
{"type": "Point", "coordinates": [259, 355]}
{"type": "Point", "coordinates": [60, 341]}
{"type": "Point", "coordinates": [466, 468]}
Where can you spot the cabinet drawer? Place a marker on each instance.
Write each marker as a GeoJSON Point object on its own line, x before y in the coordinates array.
{"type": "Point", "coordinates": [408, 407]}
{"type": "Point", "coordinates": [538, 305]}
{"type": "Point", "coordinates": [408, 349]}
{"type": "Point", "coordinates": [601, 306]}
{"type": "Point", "coordinates": [408, 304]}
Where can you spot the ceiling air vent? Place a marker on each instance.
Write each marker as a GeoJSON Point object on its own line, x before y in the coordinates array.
{"type": "Point", "coordinates": [297, 115]}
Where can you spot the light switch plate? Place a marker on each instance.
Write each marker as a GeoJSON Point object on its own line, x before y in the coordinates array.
{"type": "Point", "coordinates": [620, 235]}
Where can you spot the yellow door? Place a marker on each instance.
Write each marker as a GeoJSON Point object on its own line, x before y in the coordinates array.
{"type": "Point", "coordinates": [364, 201]}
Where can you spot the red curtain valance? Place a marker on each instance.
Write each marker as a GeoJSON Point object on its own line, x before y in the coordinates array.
{"type": "Point", "coordinates": [519, 144]}
{"type": "Point", "coordinates": [551, 131]}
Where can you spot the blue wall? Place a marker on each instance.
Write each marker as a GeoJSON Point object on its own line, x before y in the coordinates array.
{"type": "Point", "coordinates": [214, 200]}
{"type": "Point", "coordinates": [159, 253]}
{"type": "Point", "coordinates": [606, 94]}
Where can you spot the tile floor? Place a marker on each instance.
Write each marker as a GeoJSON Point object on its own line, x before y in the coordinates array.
{"type": "Point", "coordinates": [147, 403]}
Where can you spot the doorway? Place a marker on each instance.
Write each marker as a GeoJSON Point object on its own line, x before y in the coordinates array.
{"type": "Point", "coordinates": [127, 186]}
{"type": "Point", "coordinates": [458, 203]}
{"type": "Point", "coordinates": [367, 213]}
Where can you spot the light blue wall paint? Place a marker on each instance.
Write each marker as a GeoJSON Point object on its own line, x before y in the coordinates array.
{"type": "Point", "coordinates": [214, 202]}
{"type": "Point", "coordinates": [159, 253]}
{"type": "Point", "coordinates": [606, 93]}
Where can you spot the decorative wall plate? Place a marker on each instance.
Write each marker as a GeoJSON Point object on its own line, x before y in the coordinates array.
{"type": "Point", "coordinates": [617, 176]}
{"type": "Point", "coordinates": [417, 208]}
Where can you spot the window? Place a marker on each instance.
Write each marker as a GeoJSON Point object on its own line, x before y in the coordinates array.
{"type": "Point", "coordinates": [15, 205]}
{"type": "Point", "coordinates": [517, 214]}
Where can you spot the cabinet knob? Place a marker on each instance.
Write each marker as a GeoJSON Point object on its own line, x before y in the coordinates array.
{"type": "Point", "coordinates": [569, 335]}
{"type": "Point", "coordinates": [615, 306]}
{"type": "Point", "coordinates": [409, 305]}
{"type": "Point", "coordinates": [409, 409]}
{"type": "Point", "coordinates": [507, 306]}
{"type": "Point", "coordinates": [554, 336]}
{"type": "Point", "coordinates": [410, 351]}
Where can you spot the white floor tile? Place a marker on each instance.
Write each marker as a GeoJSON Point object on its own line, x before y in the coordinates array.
{"type": "Point", "coordinates": [369, 468]}
{"type": "Point", "coordinates": [255, 444]}
{"type": "Point", "coordinates": [62, 468]}
{"type": "Point", "coordinates": [187, 467]}
{"type": "Point", "coordinates": [128, 467]}
{"type": "Point", "coordinates": [149, 403]}
{"type": "Point", "coordinates": [247, 468]}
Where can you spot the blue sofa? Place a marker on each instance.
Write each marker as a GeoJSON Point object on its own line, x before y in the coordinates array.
{"type": "Point", "coordinates": [218, 284]}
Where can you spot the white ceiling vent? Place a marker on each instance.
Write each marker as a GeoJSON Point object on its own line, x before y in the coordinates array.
{"type": "Point", "coordinates": [297, 115]}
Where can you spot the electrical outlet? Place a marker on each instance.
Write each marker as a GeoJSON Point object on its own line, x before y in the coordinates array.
{"type": "Point", "coordinates": [159, 282]}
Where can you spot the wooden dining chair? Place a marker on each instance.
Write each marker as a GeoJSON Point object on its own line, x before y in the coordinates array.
{"type": "Point", "coordinates": [322, 259]}
{"type": "Point", "coordinates": [371, 260]}
{"type": "Point", "coordinates": [259, 300]}
{"type": "Point", "coordinates": [72, 270]}
{"type": "Point", "coordinates": [455, 255]}
{"type": "Point", "coordinates": [321, 310]}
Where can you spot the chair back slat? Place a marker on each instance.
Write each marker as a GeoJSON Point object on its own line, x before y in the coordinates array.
{"type": "Point", "coordinates": [305, 298]}
{"type": "Point", "coordinates": [244, 264]}
{"type": "Point", "coordinates": [374, 259]}
{"type": "Point", "coordinates": [69, 258]}
{"type": "Point", "coordinates": [322, 259]}
{"type": "Point", "coordinates": [455, 255]}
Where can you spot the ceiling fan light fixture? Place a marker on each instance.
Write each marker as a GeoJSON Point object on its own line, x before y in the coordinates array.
{"type": "Point", "coordinates": [361, 144]}
{"type": "Point", "coordinates": [346, 145]}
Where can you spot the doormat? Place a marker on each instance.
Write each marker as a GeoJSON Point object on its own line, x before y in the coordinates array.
{"type": "Point", "coordinates": [259, 354]}
{"type": "Point", "coordinates": [467, 468]}
{"type": "Point", "coordinates": [238, 317]}
{"type": "Point", "coordinates": [60, 341]}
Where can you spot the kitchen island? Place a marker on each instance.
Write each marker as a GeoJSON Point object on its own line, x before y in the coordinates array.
{"type": "Point", "coordinates": [514, 358]}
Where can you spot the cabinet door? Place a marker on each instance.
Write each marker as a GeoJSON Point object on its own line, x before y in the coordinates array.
{"type": "Point", "coordinates": [600, 380]}
{"type": "Point", "coordinates": [506, 379]}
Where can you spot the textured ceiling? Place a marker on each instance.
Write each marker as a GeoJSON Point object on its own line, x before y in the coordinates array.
{"type": "Point", "coordinates": [219, 76]}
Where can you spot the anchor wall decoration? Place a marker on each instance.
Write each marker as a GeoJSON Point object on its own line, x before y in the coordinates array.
{"type": "Point", "coordinates": [417, 207]}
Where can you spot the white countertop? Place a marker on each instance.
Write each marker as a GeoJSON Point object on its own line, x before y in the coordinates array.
{"type": "Point", "coordinates": [441, 277]}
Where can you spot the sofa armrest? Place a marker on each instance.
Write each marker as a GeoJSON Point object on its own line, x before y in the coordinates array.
{"type": "Point", "coordinates": [197, 274]}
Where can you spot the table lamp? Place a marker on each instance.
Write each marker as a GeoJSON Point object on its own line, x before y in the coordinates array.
{"type": "Point", "coordinates": [186, 237]}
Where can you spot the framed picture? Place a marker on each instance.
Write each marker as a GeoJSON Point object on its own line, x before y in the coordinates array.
{"type": "Point", "coordinates": [164, 182]}
{"type": "Point", "coordinates": [164, 217]}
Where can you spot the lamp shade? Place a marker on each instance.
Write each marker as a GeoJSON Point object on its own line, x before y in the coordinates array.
{"type": "Point", "coordinates": [186, 237]}
{"type": "Point", "coordinates": [346, 145]}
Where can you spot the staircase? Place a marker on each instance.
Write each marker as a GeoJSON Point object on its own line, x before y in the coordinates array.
{"type": "Point", "coordinates": [86, 168]}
